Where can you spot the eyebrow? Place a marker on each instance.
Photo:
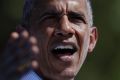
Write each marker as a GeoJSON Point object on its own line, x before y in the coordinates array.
{"type": "Point", "coordinates": [49, 11]}
{"type": "Point", "coordinates": [57, 13]}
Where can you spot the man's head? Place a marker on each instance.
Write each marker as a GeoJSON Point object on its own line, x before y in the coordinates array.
{"type": "Point", "coordinates": [28, 5]}
{"type": "Point", "coordinates": [63, 29]}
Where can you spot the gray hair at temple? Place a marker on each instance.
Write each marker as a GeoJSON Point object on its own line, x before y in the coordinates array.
{"type": "Point", "coordinates": [28, 4]}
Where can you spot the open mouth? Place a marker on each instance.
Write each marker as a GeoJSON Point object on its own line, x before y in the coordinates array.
{"type": "Point", "coordinates": [64, 50]}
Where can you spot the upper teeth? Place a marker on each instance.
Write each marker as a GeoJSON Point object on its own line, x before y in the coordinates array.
{"type": "Point", "coordinates": [64, 47]}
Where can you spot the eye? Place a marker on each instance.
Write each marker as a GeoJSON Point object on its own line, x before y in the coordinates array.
{"type": "Point", "coordinates": [47, 17]}
{"type": "Point", "coordinates": [76, 18]}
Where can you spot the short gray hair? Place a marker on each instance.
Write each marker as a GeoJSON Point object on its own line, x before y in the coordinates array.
{"type": "Point", "coordinates": [28, 4]}
{"type": "Point", "coordinates": [89, 11]}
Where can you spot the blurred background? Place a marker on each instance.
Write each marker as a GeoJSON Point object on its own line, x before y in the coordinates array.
{"type": "Point", "coordinates": [104, 62]}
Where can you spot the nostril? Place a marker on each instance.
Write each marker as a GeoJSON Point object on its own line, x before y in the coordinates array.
{"type": "Point", "coordinates": [70, 34]}
{"type": "Point", "coordinates": [59, 34]}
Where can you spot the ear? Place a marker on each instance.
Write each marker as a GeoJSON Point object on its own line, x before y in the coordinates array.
{"type": "Point", "coordinates": [93, 38]}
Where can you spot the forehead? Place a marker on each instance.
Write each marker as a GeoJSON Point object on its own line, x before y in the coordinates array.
{"type": "Point", "coordinates": [68, 4]}
{"type": "Point", "coordinates": [42, 7]}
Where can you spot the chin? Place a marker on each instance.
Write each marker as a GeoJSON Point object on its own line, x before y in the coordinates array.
{"type": "Point", "coordinates": [68, 73]}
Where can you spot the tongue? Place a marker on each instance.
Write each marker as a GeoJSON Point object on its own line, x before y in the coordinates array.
{"type": "Point", "coordinates": [66, 57]}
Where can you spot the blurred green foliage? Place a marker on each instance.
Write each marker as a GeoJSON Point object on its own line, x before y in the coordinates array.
{"type": "Point", "coordinates": [104, 62]}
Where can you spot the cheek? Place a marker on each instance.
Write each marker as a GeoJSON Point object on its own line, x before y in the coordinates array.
{"type": "Point", "coordinates": [82, 35]}
{"type": "Point", "coordinates": [43, 38]}
{"type": "Point", "coordinates": [83, 43]}
{"type": "Point", "coordinates": [83, 39]}
{"type": "Point", "coordinates": [43, 33]}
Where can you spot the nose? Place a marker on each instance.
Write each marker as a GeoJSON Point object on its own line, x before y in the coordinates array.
{"type": "Point", "coordinates": [64, 29]}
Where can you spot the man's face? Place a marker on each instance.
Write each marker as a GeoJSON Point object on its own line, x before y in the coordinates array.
{"type": "Point", "coordinates": [63, 35]}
